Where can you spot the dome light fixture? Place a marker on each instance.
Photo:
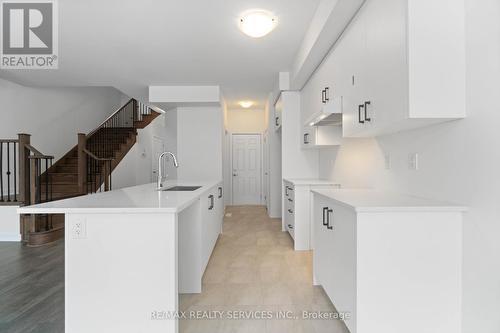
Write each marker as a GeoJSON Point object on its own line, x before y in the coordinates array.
{"type": "Point", "coordinates": [257, 23]}
{"type": "Point", "coordinates": [246, 104]}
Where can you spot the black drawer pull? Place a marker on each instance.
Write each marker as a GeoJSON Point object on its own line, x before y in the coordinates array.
{"type": "Point", "coordinates": [220, 192]}
{"type": "Point", "coordinates": [290, 211]}
{"type": "Point", "coordinates": [366, 111]}
{"type": "Point", "coordinates": [325, 210]}
{"type": "Point", "coordinates": [211, 197]}
{"type": "Point", "coordinates": [360, 107]}
{"type": "Point", "coordinates": [328, 219]}
{"type": "Point", "coordinates": [290, 226]}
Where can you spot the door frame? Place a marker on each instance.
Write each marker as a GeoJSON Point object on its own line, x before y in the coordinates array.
{"type": "Point", "coordinates": [230, 171]}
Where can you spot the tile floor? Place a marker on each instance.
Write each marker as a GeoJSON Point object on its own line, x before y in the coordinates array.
{"type": "Point", "coordinates": [254, 269]}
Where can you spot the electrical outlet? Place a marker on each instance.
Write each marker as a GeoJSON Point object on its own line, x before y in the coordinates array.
{"type": "Point", "coordinates": [387, 161]}
{"type": "Point", "coordinates": [413, 161]}
{"type": "Point", "coordinates": [79, 228]}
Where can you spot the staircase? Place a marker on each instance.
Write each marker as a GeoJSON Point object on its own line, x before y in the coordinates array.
{"type": "Point", "coordinates": [87, 168]}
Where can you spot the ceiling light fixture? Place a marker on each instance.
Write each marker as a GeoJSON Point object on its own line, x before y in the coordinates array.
{"type": "Point", "coordinates": [245, 104]}
{"type": "Point", "coordinates": [257, 23]}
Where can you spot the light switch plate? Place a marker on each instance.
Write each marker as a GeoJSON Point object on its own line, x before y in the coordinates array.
{"type": "Point", "coordinates": [79, 228]}
{"type": "Point", "coordinates": [413, 161]}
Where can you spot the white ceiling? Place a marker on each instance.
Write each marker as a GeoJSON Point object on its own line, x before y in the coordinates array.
{"type": "Point", "coordinates": [133, 44]}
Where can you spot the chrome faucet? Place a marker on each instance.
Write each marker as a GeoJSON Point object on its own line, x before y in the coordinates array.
{"type": "Point", "coordinates": [160, 166]}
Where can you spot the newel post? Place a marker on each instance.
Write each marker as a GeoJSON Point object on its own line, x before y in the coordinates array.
{"type": "Point", "coordinates": [24, 168]}
{"type": "Point", "coordinates": [82, 163]}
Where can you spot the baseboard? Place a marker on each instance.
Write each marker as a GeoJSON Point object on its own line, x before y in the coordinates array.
{"type": "Point", "coordinates": [9, 237]}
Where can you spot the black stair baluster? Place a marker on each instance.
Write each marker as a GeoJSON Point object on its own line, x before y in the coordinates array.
{"type": "Point", "coordinates": [1, 172]}
{"type": "Point", "coordinates": [15, 172]}
{"type": "Point", "coordinates": [8, 172]}
{"type": "Point", "coordinates": [46, 180]}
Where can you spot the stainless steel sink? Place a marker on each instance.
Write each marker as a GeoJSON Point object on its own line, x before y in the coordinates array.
{"type": "Point", "coordinates": [181, 188]}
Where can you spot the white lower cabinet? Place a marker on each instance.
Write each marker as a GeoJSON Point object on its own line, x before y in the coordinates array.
{"type": "Point", "coordinates": [391, 269]}
{"type": "Point", "coordinates": [212, 212]}
{"type": "Point", "coordinates": [297, 211]}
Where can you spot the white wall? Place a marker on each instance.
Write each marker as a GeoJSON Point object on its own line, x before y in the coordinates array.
{"type": "Point", "coordinates": [137, 166]}
{"type": "Point", "coordinates": [9, 224]}
{"type": "Point", "coordinates": [246, 121]}
{"type": "Point", "coordinates": [200, 143]}
{"type": "Point", "coordinates": [459, 162]}
{"type": "Point", "coordinates": [54, 116]}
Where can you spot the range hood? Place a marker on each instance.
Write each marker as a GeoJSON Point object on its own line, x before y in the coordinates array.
{"type": "Point", "coordinates": [330, 114]}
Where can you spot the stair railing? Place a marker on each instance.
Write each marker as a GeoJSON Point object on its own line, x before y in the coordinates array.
{"type": "Point", "coordinates": [9, 150]}
{"type": "Point", "coordinates": [36, 186]}
{"type": "Point", "coordinates": [40, 189]}
{"type": "Point", "coordinates": [96, 150]}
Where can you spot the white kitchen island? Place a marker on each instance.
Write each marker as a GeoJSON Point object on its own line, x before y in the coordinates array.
{"type": "Point", "coordinates": [130, 252]}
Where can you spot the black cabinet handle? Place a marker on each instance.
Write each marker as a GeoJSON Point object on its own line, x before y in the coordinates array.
{"type": "Point", "coordinates": [327, 94]}
{"type": "Point", "coordinates": [277, 118]}
{"type": "Point", "coordinates": [286, 190]}
{"type": "Point", "coordinates": [290, 200]}
{"type": "Point", "coordinates": [360, 107]}
{"type": "Point", "coordinates": [211, 197]}
{"type": "Point", "coordinates": [306, 138]}
{"type": "Point", "coordinates": [323, 96]}
{"type": "Point", "coordinates": [328, 219]}
{"type": "Point", "coordinates": [290, 226]}
{"type": "Point", "coordinates": [290, 211]}
{"type": "Point", "coordinates": [366, 111]}
{"type": "Point", "coordinates": [325, 210]}
{"type": "Point", "coordinates": [220, 192]}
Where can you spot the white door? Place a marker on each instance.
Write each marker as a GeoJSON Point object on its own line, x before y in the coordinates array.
{"type": "Point", "coordinates": [246, 169]}
{"type": "Point", "coordinates": [158, 148]}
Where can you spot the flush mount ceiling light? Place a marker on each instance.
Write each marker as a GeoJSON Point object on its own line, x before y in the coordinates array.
{"type": "Point", "coordinates": [257, 23]}
{"type": "Point", "coordinates": [245, 104]}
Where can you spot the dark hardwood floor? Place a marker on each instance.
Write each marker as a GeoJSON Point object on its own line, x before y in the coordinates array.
{"type": "Point", "coordinates": [32, 288]}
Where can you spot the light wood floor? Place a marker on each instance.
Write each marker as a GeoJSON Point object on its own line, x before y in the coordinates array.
{"type": "Point", "coordinates": [253, 268]}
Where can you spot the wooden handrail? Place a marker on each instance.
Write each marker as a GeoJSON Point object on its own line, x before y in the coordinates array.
{"type": "Point", "coordinates": [36, 153]}
{"type": "Point", "coordinates": [95, 157]}
{"type": "Point", "coordinates": [107, 119]}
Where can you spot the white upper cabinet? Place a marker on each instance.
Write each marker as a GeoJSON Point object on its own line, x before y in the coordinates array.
{"type": "Point", "coordinates": [397, 66]}
{"type": "Point", "coordinates": [278, 114]}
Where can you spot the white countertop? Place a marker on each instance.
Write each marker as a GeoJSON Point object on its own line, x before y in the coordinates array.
{"type": "Point", "coordinates": [305, 181]}
{"type": "Point", "coordinates": [363, 200]}
{"type": "Point", "coordinates": [136, 199]}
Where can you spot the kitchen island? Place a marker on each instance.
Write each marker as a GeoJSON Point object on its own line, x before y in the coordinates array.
{"type": "Point", "coordinates": [130, 252]}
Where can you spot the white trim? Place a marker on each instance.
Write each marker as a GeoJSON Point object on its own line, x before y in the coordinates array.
{"type": "Point", "coordinates": [9, 237]}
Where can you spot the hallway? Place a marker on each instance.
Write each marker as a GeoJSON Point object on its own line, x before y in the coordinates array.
{"type": "Point", "coordinates": [255, 270]}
